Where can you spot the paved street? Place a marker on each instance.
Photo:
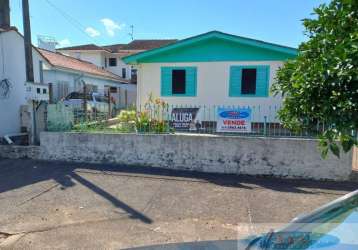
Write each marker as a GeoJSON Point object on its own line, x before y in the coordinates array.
{"type": "Point", "coordinates": [84, 206]}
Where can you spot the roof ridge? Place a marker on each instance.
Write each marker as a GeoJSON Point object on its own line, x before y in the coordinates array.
{"type": "Point", "coordinates": [245, 37]}
{"type": "Point", "coordinates": [70, 57]}
{"type": "Point", "coordinates": [169, 39]}
{"type": "Point", "coordinates": [83, 45]}
{"type": "Point", "coordinates": [207, 35]}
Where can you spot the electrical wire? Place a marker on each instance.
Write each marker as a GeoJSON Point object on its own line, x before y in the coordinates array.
{"type": "Point", "coordinates": [75, 23]}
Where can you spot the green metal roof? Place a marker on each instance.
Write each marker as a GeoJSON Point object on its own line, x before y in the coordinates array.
{"type": "Point", "coordinates": [214, 46]}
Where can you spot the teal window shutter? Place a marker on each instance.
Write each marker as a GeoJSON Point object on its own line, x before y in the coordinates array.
{"type": "Point", "coordinates": [262, 80]}
{"type": "Point", "coordinates": [235, 81]}
{"type": "Point", "coordinates": [166, 81]}
{"type": "Point", "coordinates": [190, 81]}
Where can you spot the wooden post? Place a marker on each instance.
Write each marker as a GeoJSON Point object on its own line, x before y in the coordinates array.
{"type": "Point", "coordinates": [27, 41]}
{"type": "Point", "coordinates": [4, 14]}
{"type": "Point", "coordinates": [126, 98]}
{"type": "Point", "coordinates": [50, 92]}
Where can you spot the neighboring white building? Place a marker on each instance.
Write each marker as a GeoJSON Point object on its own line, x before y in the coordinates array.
{"type": "Point", "coordinates": [110, 57]}
{"type": "Point", "coordinates": [13, 70]}
{"type": "Point", "coordinates": [212, 69]}
{"type": "Point", "coordinates": [66, 74]}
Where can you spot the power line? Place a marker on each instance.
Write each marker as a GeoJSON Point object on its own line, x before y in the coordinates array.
{"type": "Point", "coordinates": [70, 19]}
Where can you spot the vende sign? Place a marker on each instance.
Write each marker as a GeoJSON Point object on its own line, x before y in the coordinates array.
{"type": "Point", "coordinates": [233, 120]}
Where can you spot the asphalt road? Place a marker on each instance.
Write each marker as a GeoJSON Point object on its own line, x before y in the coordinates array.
{"type": "Point", "coordinates": [54, 205]}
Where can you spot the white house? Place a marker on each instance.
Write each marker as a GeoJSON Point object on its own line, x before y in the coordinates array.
{"type": "Point", "coordinates": [212, 69]}
{"type": "Point", "coordinates": [66, 74]}
{"type": "Point", "coordinates": [110, 57]}
{"type": "Point", "coordinates": [13, 87]}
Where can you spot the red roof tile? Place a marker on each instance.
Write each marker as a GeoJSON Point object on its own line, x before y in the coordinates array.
{"type": "Point", "coordinates": [62, 61]}
{"type": "Point", "coordinates": [114, 48]}
{"type": "Point", "coordinates": [117, 48]}
{"type": "Point", "coordinates": [147, 44]}
{"type": "Point", "coordinates": [84, 47]}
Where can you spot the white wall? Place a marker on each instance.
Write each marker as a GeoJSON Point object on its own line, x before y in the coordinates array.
{"type": "Point", "coordinates": [118, 69]}
{"type": "Point", "coordinates": [95, 57]}
{"type": "Point", "coordinates": [281, 157]}
{"type": "Point", "coordinates": [212, 87]}
{"type": "Point", "coordinates": [98, 58]}
{"type": "Point", "coordinates": [12, 67]}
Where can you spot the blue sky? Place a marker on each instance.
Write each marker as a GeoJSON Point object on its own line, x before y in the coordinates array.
{"type": "Point", "coordinates": [74, 22]}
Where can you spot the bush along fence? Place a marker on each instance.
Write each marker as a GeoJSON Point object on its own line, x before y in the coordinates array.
{"type": "Point", "coordinates": [156, 116]}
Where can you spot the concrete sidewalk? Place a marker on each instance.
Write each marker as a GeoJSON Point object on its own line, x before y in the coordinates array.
{"type": "Point", "coordinates": [58, 205]}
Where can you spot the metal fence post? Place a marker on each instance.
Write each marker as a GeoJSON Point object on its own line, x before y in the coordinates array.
{"type": "Point", "coordinates": [109, 103]}
{"type": "Point", "coordinates": [265, 124]}
{"type": "Point", "coordinates": [85, 101]}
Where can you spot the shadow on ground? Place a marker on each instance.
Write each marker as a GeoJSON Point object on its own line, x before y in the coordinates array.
{"type": "Point", "coordinates": [27, 172]}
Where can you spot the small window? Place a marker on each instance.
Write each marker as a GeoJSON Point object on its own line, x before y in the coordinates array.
{"type": "Point", "coordinates": [248, 82]}
{"type": "Point", "coordinates": [124, 73]}
{"type": "Point", "coordinates": [38, 90]}
{"type": "Point", "coordinates": [105, 62]}
{"type": "Point", "coordinates": [112, 62]}
{"type": "Point", "coordinates": [134, 76]}
{"type": "Point", "coordinates": [134, 72]}
{"type": "Point", "coordinates": [178, 81]}
{"type": "Point", "coordinates": [44, 91]}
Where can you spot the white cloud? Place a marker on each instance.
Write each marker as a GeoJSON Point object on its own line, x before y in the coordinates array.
{"type": "Point", "coordinates": [92, 32]}
{"type": "Point", "coordinates": [64, 42]}
{"type": "Point", "coordinates": [111, 26]}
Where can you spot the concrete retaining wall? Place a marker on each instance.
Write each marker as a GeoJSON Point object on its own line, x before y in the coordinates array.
{"type": "Point", "coordinates": [19, 152]}
{"type": "Point", "coordinates": [289, 158]}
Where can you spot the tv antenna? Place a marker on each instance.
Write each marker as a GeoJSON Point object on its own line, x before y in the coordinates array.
{"type": "Point", "coordinates": [131, 33]}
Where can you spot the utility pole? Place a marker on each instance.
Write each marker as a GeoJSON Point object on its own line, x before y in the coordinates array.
{"type": "Point", "coordinates": [27, 41]}
{"type": "Point", "coordinates": [29, 62]}
{"type": "Point", "coordinates": [4, 14]}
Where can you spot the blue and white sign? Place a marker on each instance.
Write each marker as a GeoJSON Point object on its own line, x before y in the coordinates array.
{"type": "Point", "coordinates": [233, 120]}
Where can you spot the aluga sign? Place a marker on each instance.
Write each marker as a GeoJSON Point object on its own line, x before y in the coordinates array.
{"type": "Point", "coordinates": [184, 118]}
{"type": "Point", "coordinates": [234, 120]}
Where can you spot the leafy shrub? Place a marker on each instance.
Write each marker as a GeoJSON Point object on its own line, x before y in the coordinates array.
{"type": "Point", "coordinates": [127, 116]}
{"type": "Point", "coordinates": [150, 120]}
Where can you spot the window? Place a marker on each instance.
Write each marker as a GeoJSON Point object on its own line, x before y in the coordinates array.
{"type": "Point", "coordinates": [248, 82]}
{"type": "Point", "coordinates": [105, 62]}
{"type": "Point", "coordinates": [134, 76]}
{"type": "Point", "coordinates": [124, 71]}
{"type": "Point", "coordinates": [134, 72]}
{"type": "Point", "coordinates": [112, 62]}
{"type": "Point", "coordinates": [178, 81]}
{"type": "Point", "coordinates": [113, 90]}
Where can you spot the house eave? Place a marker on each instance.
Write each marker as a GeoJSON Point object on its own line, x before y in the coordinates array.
{"type": "Point", "coordinates": [136, 58]}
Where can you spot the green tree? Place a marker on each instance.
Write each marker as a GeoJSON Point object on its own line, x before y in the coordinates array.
{"type": "Point", "coordinates": [321, 84]}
